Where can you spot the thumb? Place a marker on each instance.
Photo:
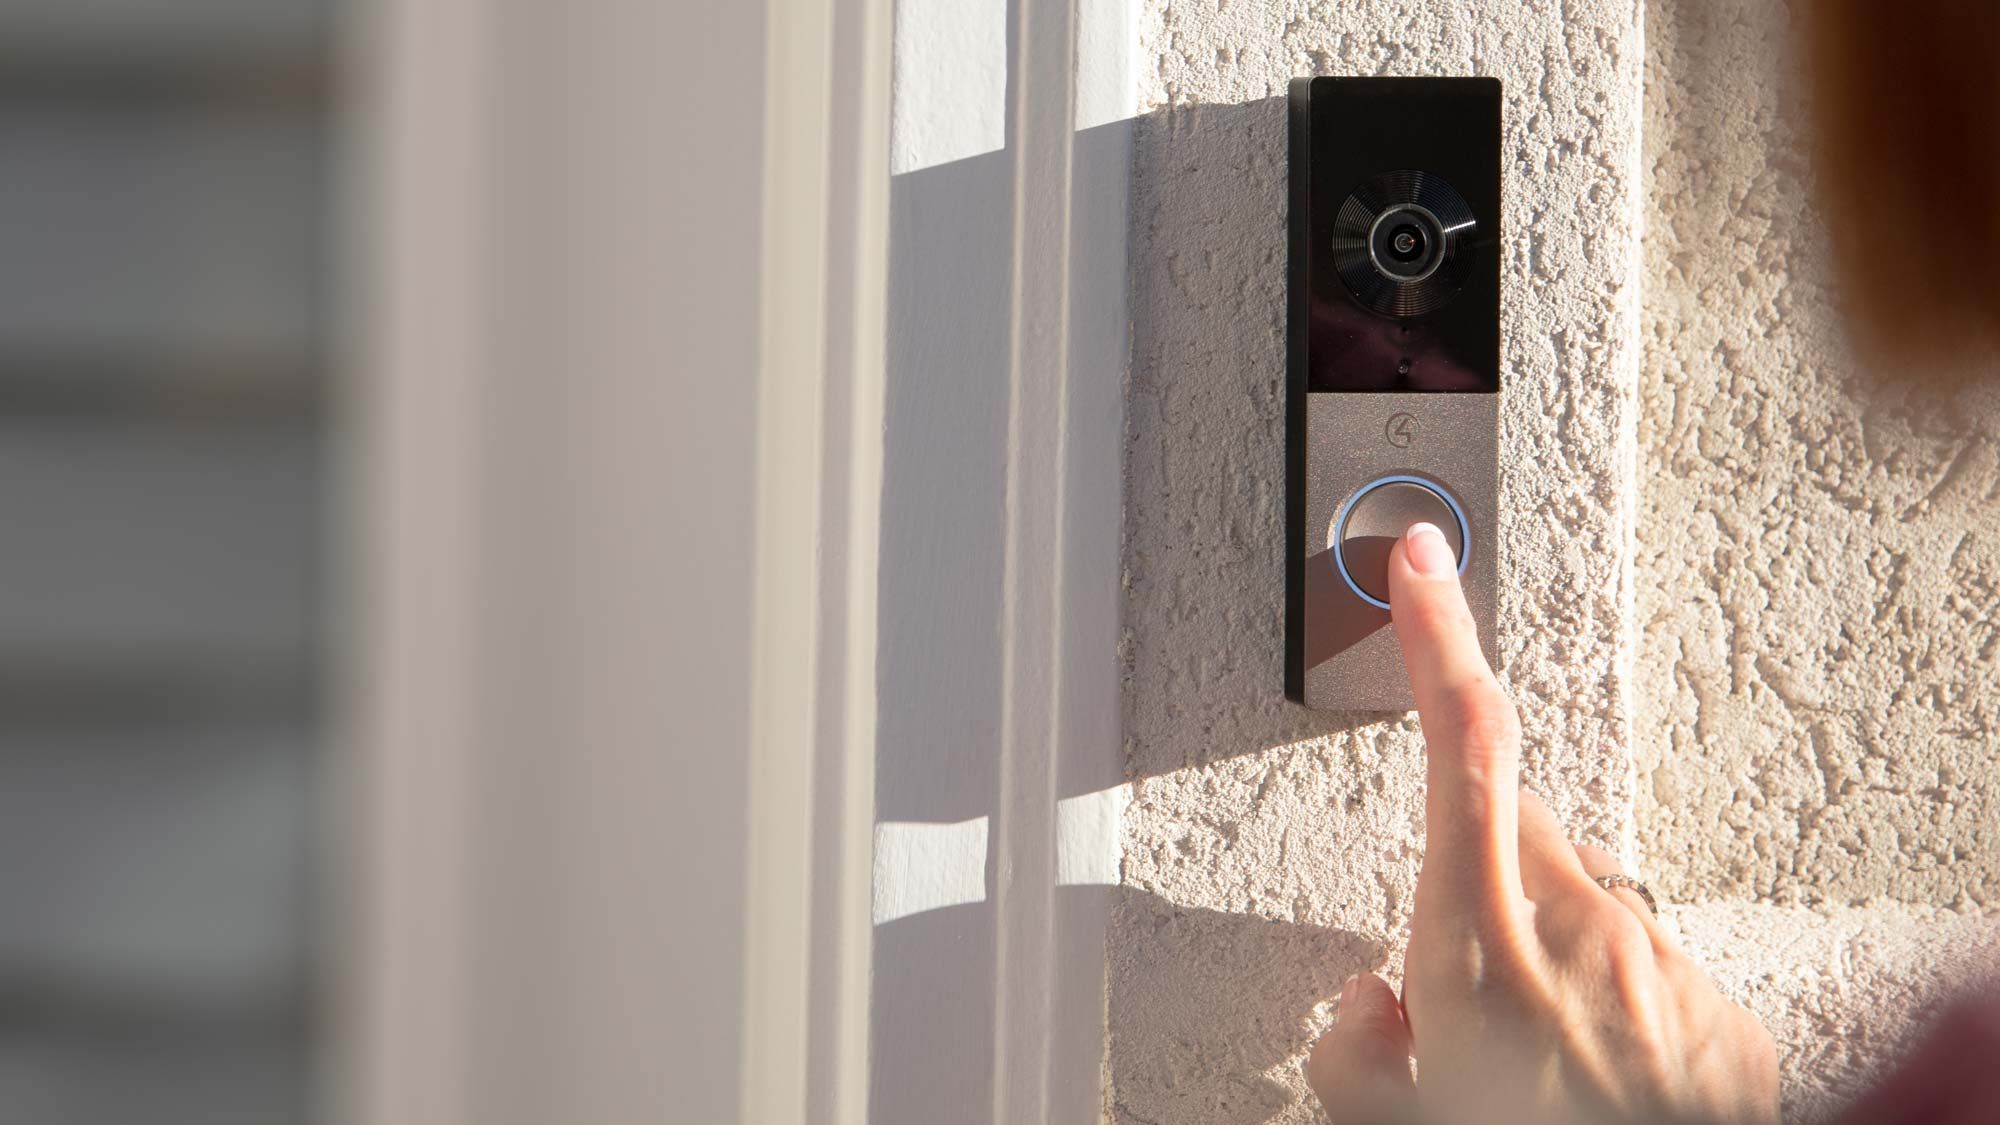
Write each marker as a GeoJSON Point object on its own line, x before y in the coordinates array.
{"type": "Point", "coordinates": [1360, 1070]}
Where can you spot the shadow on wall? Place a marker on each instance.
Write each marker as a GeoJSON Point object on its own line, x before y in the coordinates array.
{"type": "Point", "coordinates": [1203, 458]}
{"type": "Point", "coordinates": [1205, 416]}
{"type": "Point", "coordinates": [949, 630]}
{"type": "Point", "coordinates": [1217, 984]}
{"type": "Point", "coordinates": [1197, 194]}
{"type": "Point", "coordinates": [945, 478]}
{"type": "Point", "coordinates": [935, 1006]}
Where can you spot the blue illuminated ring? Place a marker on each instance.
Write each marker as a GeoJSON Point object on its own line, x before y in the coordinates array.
{"type": "Point", "coordinates": [1340, 523]}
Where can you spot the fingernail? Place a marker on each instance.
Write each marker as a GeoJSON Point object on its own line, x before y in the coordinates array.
{"type": "Point", "coordinates": [1347, 990]}
{"type": "Point", "coordinates": [1430, 555]}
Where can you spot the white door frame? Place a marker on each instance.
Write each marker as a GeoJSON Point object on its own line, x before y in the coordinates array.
{"type": "Point", "coordinates": [999, 760]}
{"type": "Point", "coordinates": [592, 810]}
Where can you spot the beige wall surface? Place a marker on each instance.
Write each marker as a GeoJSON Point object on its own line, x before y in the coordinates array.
{"type": "Point", "coordinates": [1749, 588]}
{"type": "Point", "coordinates": [1818, 562]}
{"type": "Point", "coordinates": [1820, 542]}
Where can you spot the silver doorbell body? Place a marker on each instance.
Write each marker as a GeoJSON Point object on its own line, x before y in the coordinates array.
{"type": "Point", "coordinates": [1393, 365]}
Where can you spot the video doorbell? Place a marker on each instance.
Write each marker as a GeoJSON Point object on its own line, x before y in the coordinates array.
{"type": "Point", "coordinates": [1392, 365]}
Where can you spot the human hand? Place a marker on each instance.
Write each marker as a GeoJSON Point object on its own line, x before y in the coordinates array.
{"type": "Point", "coordinates": [1530, 993]}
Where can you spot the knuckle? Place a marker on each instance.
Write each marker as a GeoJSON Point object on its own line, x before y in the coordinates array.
{"type": "Point", "coordinates": [1642, 990]}
{"type": "Point", "coordinates": [1482, 732]}
{"type": "Point", "coordinates": [1482, 718]}
{"type": "Point", "coordinates": [1521, 982]}
{"type": "Point", "coordinates": [1378, 1036]}
{"type": "Point", "coordinates": [1495, 955]}
{"type": "Point", "coordinates": [1600, 927]}
{"type": "Point", "coordinates": [1682, 970]}
{"type": "Point", "coordinates": [1363, 1040]}
{"type": "Point", "coordinates": [1512, 955]}
{"type": "Point", "coordinates": [1630, 952]}
{"type": "Point", "coordinates": [1757, 1039]}
{"type": "Point", "coordinates": [1625, 938]}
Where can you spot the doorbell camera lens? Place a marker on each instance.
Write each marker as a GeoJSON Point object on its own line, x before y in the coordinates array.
{"type": "Point", "coordinates": [1403, 243]}
{"type": "Point", "coordinates": [1406, 244]}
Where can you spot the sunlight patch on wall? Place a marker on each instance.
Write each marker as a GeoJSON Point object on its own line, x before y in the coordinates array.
{"type": "Point", "coordinates": [949, 98]}
{"type": "Point", "coordinates": [1087, 837]}
{"type": "Point", "coordinates": [1106, 47]}
{"type": "Point", "coordinates": [923, 866]}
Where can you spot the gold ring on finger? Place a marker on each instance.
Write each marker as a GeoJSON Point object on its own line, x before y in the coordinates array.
{"type": "Point", "coordinates": [1612, 882]}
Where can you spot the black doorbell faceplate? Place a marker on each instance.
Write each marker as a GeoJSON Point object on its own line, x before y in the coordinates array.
{"type": "Point", "coordinates": [1393, 364]}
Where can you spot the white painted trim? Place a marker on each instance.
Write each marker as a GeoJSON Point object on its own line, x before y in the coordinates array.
{"type": "Point", "coordinates": [1040, 135]}
{"type": "Point", "coordinates": [825, 253]}
{"type": "Point", "coordinates": [857, 296]}
{"type": "Point", "coordinates": [824, 308]}
{"type": "Point", "coordinates": [1009, 344]}
{"type": "Point", "coordinates": [406, 709]}
{"type": "Point", "coordinates": [791, 374]}
{"type": "Point", "coordinates": [438, 246]}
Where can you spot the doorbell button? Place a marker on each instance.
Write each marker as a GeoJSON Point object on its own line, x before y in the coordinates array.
{"type": "Point", "coordinates": [1376, 516]}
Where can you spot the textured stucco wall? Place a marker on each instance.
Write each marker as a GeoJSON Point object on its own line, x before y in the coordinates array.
{"type": "Point", "coordinates": [1843, 990]}
{"type": "Point", "coordinates": [1821, 543]}
{"type": "Point", "coordinates": [1270, 851]}
{"type": "Point", "coordinates": [1770, 578]}
{"type": "Point", "coordinates": [1818, 560]}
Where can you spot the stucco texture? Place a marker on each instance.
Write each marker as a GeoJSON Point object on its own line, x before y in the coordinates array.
{"type": "Point", "coordinates": [1818, 555]}
{"type": "Point", "coordinates": [1821, 542]}
{"type": "Point", "coordinates": [1751, 592]}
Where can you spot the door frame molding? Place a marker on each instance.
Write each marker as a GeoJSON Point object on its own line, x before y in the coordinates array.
{"type": "Point", "coordinates": [410, 800]}
{"type": "Point", "coordinates": [826, 209]}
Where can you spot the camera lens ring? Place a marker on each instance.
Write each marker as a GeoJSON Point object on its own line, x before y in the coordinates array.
{"type": "Point", "coordinates": [1433, 245]}
{"type": "Point", "coordinates": [1454, 237]}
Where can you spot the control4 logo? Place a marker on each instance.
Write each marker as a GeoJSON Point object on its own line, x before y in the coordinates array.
{"type": "Point", "coordinates": [1400, 430]}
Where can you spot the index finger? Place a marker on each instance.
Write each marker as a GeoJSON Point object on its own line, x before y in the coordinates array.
{"type": "Point", "coordinates": [1472, 734]}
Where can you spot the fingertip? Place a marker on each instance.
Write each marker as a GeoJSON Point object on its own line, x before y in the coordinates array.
{"type": "Point", "coordinates": [1422, 552]}
{"type": "Point", "coordinates": [1427, 606]}
{"type": "Point", "coordinates": [1371, 1011]}
{"type": "Point", "coordinates": [1360, 1068]}
{"type": "Point", "coordinates": [1432, 606]}
{"type": "Point", "coordinates": [1428, 552]}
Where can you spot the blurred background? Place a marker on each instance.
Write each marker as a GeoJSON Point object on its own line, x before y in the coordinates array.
{"type": "Point", "coordinates": [379, 747]}
{"type": "Point", "coordinates": [164, 177]}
